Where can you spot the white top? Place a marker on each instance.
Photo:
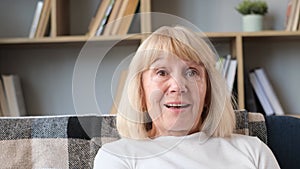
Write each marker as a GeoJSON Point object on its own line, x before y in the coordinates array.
{"type": "Point", "coordinates": [192, 151]}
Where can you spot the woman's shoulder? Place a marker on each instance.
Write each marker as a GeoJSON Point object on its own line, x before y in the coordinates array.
{"type": "Point", "coordinates": [246, 143]}
{"type": "Point", "coordinates": [116, 145]}
{"type": "Point", "coordinates": [244, 139]}
{"type": "Point", "coordinates": [109, 155]}
{"type": "Point", "coordinates": [123, 146]}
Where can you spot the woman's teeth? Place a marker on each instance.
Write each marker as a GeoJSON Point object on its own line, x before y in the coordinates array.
{"type": "Point", "coordinates": [177, 106]}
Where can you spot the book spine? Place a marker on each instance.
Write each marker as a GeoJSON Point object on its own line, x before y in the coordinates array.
{"type": "Point", "coordinates": [14, 95]}
{"type": "Point", "coordinates": [127, 17]}
{"type": "Point", "coordinates": [226, 65]}
{"type": "Point", "coordinates": [44, 19]}
{"type": "Point", "coordinates": [296, 18]}
{"type": "Point", "coordinates": [291, 15]}
{"type": "Point", "coordinates": [36, 19]}
{"type": "Point", "coordinates": [251, 102]}
{"type": "Point", "coordinates": [260, 73]}
{"type": "Point", "coordinates": [231, 74]}
{"type": "Point", "coordinates": [119, 17]}
{"type": "Point", "coordinates": [260, 94]}
{"type": "Point", "coordinates": [3, 100]}
{"type": "Point", "coordinates": [96, 20]}
{"type": "Point", "coordinates": [105, 18]}
{"type": "Point", "coordinates": [113, 16]}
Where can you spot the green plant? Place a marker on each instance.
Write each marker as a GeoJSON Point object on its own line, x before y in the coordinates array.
{"type": "Point", "coordinates": [247, 7]}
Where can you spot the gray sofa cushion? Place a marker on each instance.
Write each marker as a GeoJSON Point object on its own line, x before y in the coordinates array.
{"type": "Point", "coordinates": [284, 140]}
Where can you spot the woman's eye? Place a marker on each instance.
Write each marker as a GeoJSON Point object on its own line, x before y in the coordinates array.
{"type": "Point", "coordinates": [162, 73]}
{"type": "Point", "coordinates": [192, 73]}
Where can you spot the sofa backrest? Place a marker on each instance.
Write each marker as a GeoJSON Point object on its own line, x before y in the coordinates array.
{"type": "Point", "coordinates": [73, 141]}
{"type": "Point", "coordinates": [284, 138]}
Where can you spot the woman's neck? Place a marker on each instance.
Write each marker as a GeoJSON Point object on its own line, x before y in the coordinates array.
{"type": "Point", "coordinates": [154, 132]}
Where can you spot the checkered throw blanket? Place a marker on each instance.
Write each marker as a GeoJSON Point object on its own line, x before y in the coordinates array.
{"type": "Point", "coordinates": [72, 141]}
{"type": "Point", "coordinates": [54, 142]}
{"type": "Point", "coordinates": [251, 124]}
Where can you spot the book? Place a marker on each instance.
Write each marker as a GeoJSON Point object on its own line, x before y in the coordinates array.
{"type": "Point", "coordinates": [3, 100]}
{"type": "Point", "coordinates": [59, 18]}
{"type": "Point", "coordinates": [112, 17]}
{"type": "Point", "coordinates": [124, 18]}
{"type": "Point", "coordinates": [296, 17]}
{"type": "Point", "coordinates": [269, 91]}
{"type": "Point", "coordinates": [96, 20]}
{"type": "Point", "coordinates": [226, 65]}
{"type": "Point", "coordinates": [219, 64]}
{"type": "Point", "coordinates": [36, 19]}
{"type": "Point", "coordinates": [251, 102]}
{"type": "Point", "coordinates": [231, 73]}
{"type": "Point", "coordinates": [14, 95]}
{"type": "Point", "coordinates": [291, 15]}
{"type": "Point", "coordinates": [260, 93]}
{"type": "Point", "coordinates": [127, 17]}
{"type": "Point", "coordinates": [105, 18]}
{"type": "Point", "coordinates": [119, 18]}
{"type": "Point", "coordinates": [288, 13]}
{"type": "Point", "coordinates": [223, 64]}
{"type": "Point", "coordinates": [44, 19]}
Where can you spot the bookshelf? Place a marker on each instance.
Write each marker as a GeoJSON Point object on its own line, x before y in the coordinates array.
{"type": "Point", "coordinates": [240, 45]}
{"type": "Point", "coordinates": [46, 64]}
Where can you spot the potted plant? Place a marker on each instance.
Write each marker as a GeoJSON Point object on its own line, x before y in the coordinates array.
{"type": "Point", "coordinates": [253, 12]}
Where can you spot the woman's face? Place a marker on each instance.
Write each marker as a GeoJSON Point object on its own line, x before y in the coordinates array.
{"type": "Point", "coordinates": [175, 95]}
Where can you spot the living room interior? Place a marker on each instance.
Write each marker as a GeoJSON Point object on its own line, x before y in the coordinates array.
{"type": "Point", "coordinates": [67, 72]}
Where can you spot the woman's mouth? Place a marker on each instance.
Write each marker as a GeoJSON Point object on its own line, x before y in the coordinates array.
{"type": "Point", "coordinates": [177, 106]}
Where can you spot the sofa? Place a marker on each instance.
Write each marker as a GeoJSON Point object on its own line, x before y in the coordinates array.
{"type": "Point", "coordinates": [73, 141]}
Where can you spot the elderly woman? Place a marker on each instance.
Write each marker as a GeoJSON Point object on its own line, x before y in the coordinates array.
{"type": "Point", "coordinates": [176, 111]}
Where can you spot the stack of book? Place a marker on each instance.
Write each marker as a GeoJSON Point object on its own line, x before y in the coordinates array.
{"type": "Point", "coordinates": [11, 96]}
{"type": "Point", "coordinates": [265, 92]}
{"type": "Point", "coordinates": [292, 16]}
{"type": "Point", "coordinates": [50, 19]}
{"type": "Point", "coordinates": [227, 66]}
{"type": "Point", "coordinates": [113, 17]}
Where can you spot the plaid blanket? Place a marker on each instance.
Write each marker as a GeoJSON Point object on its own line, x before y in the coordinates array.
{"type": "Point", "coordinates": [54, 142]}
{"type": "Point", "coordinates": [251, 124]}
{"type": "Point", "coordinates": [73, 141]}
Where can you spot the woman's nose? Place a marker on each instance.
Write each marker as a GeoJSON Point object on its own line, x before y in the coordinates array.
{"type": "Point", "coordinates": [177, 85]}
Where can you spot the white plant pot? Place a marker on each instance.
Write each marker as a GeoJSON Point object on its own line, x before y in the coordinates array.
{"type": "Point", "coordinates": [252, 23]}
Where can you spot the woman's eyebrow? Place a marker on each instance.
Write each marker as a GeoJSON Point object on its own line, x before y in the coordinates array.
{"type": "Point", "coordinates": [156, 60]}
{"type": "Point", "coordinates": [193, 64]}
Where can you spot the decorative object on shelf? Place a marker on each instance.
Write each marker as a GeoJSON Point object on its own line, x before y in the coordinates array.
{"type": "Point", "coordinates": [253, 12]}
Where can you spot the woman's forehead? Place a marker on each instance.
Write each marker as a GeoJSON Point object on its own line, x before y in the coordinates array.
{"type": "Point", "coordinates": [174, 61]}
{"type": "Point", "coordinates": [167, 57]}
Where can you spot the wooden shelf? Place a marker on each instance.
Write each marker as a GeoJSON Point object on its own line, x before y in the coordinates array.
{"type": "Point", "coordinates": [270, 34]}
{"type": "Point", "coordinates": [213, 35]}
{"type": "Point", "coordinates": [67, 39]}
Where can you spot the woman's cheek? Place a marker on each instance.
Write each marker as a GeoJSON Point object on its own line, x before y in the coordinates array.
{"type": "Point", "coordinates": [198, 96]}
{"type": "Point", "coordinates": [154, 103]}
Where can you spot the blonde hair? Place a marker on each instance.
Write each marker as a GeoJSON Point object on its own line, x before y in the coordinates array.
{"type": "Point", "coordinates": [218, 119]}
